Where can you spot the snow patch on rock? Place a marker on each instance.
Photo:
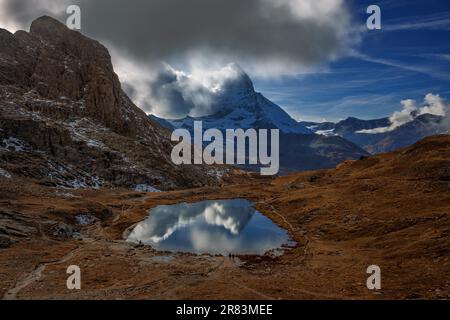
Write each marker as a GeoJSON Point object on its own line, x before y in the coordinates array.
{"type": "Point", "coordinates": [80, 131]}
{"type": "Point", "coordinates": [5, 174]}
{"type": "Point", "coordinates": [218, 173]}
{"type": "Point", "coordinates": [84, 219]}
{"type": "Point", "coordinates": [145, 188]}
{"type": "Point", "coordinates": [66, 195]}
{"type": "Point", "coordinates": [83, 183]}
{"type": "Point", "coordinates": [14, 144]}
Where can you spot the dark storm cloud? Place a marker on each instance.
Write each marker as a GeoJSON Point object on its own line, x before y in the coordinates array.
{"type": "Point", "coordinates": [289, 31]}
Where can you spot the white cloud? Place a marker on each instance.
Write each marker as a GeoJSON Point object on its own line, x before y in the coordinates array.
{"type": "Point", "coordinates": [432, 72]}
{"type": "Point", "coordinates": [15, 15]}
{"type": "Point", "coordinates": [406, 115]}
{"type": "Point", "coordinates": [166, 92]}
{"type": "Point", "coordinates": [439, 21]}
{"type": "Point", "coordinates": [433, 104]}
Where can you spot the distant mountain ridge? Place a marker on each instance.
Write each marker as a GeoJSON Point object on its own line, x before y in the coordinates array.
{"type": "Point", "coordinates": [166, 124]}
{"type": "Point", "coordinates": [405, 135]}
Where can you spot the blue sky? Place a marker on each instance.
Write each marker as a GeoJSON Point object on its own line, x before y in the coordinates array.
{"type": "Point", "coordinates": [407, 59]}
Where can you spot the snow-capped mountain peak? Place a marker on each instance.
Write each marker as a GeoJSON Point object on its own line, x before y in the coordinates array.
{"type": "Point", "coordinates": [238, 105]}
{"type": "Point", "coordinates": [237, 83]}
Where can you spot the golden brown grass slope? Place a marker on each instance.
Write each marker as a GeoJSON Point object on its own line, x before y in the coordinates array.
{"type": "Point", "coordinates": [390, 210]}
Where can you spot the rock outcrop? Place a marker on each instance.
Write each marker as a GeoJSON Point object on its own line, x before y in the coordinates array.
{"type": "Point", "coordinates": [64, 108]}
{"type": "Point", "coordinates": [59, 64]}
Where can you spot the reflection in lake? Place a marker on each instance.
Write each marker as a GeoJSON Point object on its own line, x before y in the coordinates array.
{"type": "Point", "coordinates": [214, 227]}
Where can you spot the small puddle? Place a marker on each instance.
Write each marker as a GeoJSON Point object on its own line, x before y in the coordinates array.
{"type": "Point", "coordinates": [210, 227]}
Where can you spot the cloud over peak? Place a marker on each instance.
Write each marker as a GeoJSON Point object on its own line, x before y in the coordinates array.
{"type": "Point", "coordinates": [175, 94]}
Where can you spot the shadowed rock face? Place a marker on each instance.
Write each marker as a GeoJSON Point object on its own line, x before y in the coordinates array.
{"type": "Point", "coordinates": [57, 62]}
{"type": "Point", "coordinates": [60, 97]}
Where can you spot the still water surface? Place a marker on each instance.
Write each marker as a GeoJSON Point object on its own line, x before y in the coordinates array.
{"type": "Point", "coordinates": [213, 227]}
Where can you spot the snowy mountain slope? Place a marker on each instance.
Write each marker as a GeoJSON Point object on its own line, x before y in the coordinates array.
{"type": "Point", "coordinates": [346, 127]}
{"type": "Point", "coordinates": [254, 111]}
{"type": "Point", "coordinates": [241, 107]}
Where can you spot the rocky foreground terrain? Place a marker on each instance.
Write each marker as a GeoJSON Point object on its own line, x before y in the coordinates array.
{"type": "Point", "coordinates": [392, 210]}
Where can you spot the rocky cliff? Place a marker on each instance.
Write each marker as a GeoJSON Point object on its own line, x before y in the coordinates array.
{"type": "Point", "coordinates": [65, 120]}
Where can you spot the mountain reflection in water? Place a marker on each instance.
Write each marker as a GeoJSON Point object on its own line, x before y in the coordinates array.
{"type": "Point", "coordinates": [214, 227]}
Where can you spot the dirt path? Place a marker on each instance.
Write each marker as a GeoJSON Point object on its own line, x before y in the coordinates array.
{"type": "Point", "coordinates": [24, 282]}
{"type": "Point", "coordinates": [35, 275]}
